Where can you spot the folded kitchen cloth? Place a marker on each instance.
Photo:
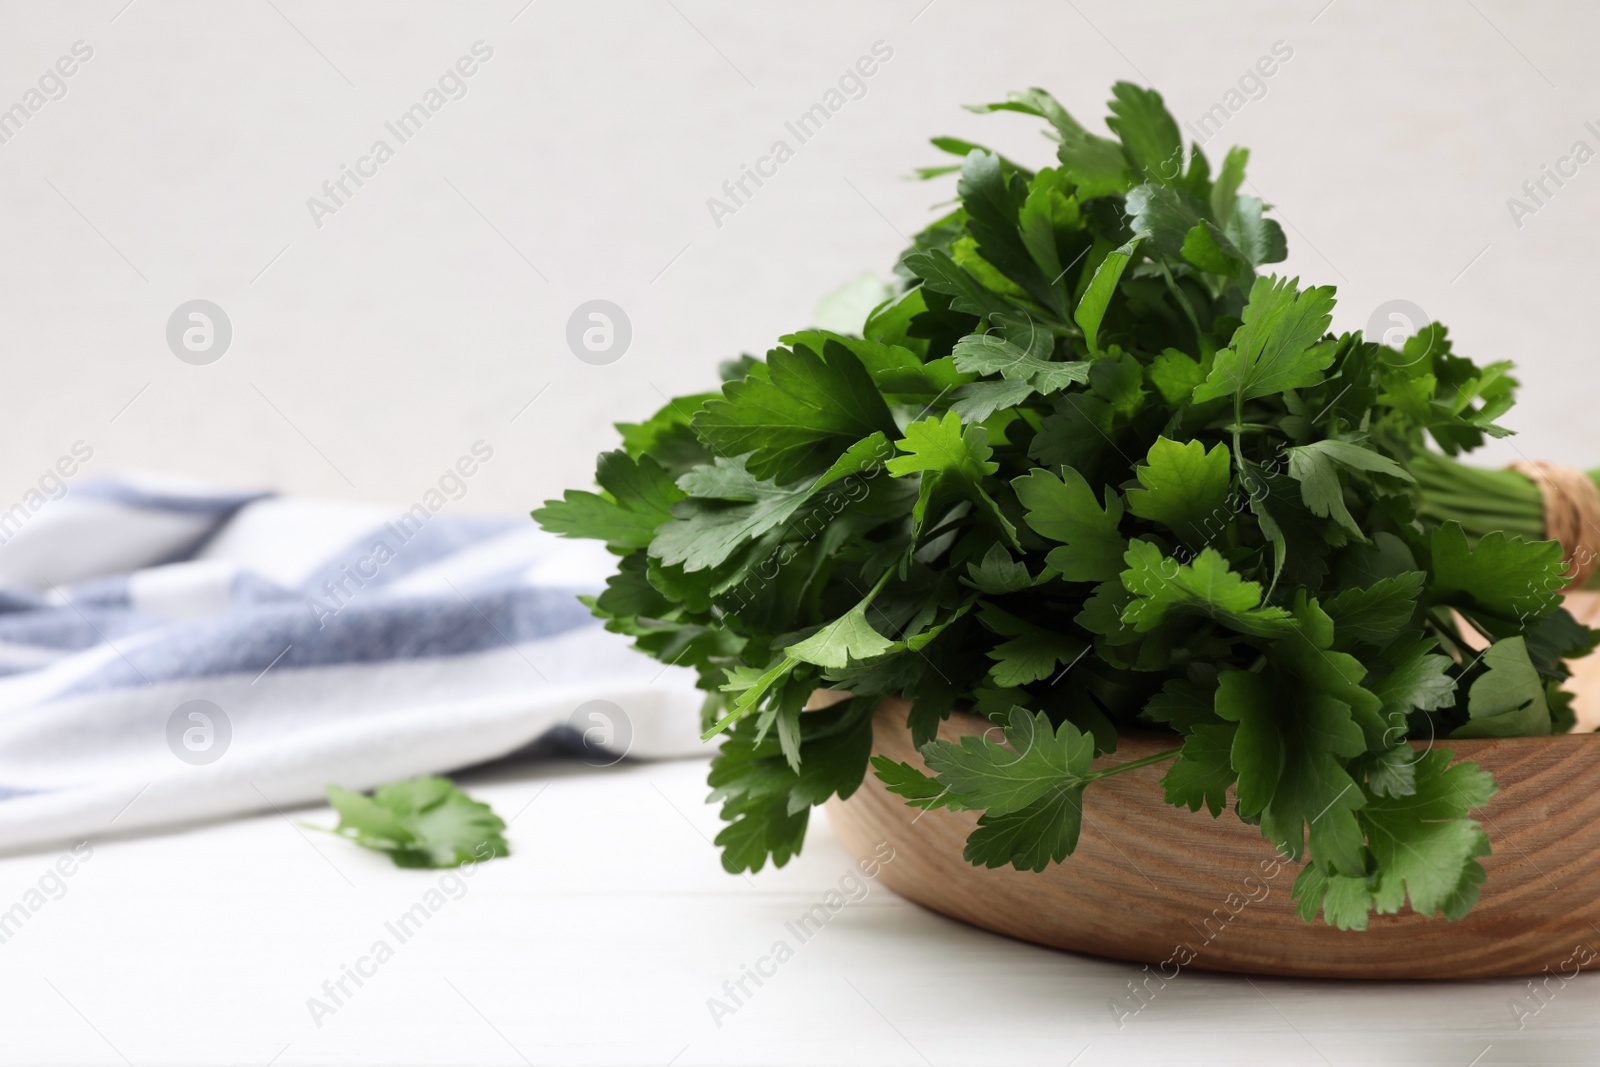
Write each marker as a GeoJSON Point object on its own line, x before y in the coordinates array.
{"type": "Point", "coordinates": [171, 653]}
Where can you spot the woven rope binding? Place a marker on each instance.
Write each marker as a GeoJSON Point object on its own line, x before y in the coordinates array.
{"type": "Point", "coordinates": [1571, 515]}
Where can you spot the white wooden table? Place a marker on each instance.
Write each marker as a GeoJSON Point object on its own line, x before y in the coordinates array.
{"type": "Point", "coordinates": [600, 942]}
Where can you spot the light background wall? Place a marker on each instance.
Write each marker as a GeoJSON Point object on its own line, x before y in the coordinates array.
{"type": "Point", "coordinates": [371, 352]}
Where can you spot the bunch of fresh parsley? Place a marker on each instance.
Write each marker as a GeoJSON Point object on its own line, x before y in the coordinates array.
{"type": "Point", "coordinates": [1089, 472]}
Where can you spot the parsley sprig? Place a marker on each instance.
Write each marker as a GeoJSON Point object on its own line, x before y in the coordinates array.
{"type": "Point", "coordinates": [424, 822]}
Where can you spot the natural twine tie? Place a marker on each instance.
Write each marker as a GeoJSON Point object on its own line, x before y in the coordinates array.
{"type": "Point", "coordinates": [1571, 514]}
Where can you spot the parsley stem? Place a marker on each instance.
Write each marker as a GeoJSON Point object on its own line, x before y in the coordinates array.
{"type": "Point", "coordinates": [1238, 425]}
{"type": "Point", "coordinates": [1445, 629]}
{"type": "Point", "coordinates": [1182, 298]}
{"type": "Point", "coordinates": [1145, 761]}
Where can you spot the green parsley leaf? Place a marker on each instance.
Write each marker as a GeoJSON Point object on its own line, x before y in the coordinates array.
{"type": "Point", "coordinates": [727, 507]}
{"type": "Point", "coordinates": [1032, 653]}
{"type": "Point", "coordinates": [998, 573]}
{"type": "Point", "coordinates": [1175, 375]}
{"type": "Point", "coordinates": [1064, 509]}
{"type": "Point", "coordinates": [1416, 676]}
{"type": "Point", "coordinates": [792, 421]}
{"type": "Point", "coordinates": [1279, 345]}
{"type": "Point", "coordinates": [1226, 189]}
{"type": "Point", "coordinates": [1163, 587]}
{"type": "Point", "coordinates": [1291, 774]}
{"type": "Point", "coordinates": [1148, 133]}
{"type": "Point", "coordinates": [904, 780]}
{"type": "Point", "coordinates": [1185, 488]}
{"type": "Point", "coordinates": [1375, 614]}
{"type": "Point", "coordinates": [1031, 838]}
{"type": "Point", "coordinates": [425, 822]}
{"type": "Point", "coordinates": [848, 639]}
{"type": "Point", "coordinates": [1204, 770]}
{"type": "Point", "coordinates": [1000, 778]}
{"type": "Point", "coordinates": [988, 354]}
{"type": "Point", "coordinates": [947, 455]}
{"type": "Point", "coordinates": [1508, 700]}
{"type": "Point", "coordinates": [1091, 309]}
{"type": "Point", "coordinates": [1316, 466]}
{"type": "Point", "coordinates": [1260, 239]}
{"type": "Point", "coordinates": [1505, 576]}
{"type": "Point", "coordinates": [1425, 845]}
{"type": "Point", "coordinates": [638, 498]}
{"type": "Point", "coordinates": [944, 275]}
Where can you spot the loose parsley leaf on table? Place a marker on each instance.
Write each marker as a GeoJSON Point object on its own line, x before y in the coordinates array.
{"type": "Point", "coordinates": [425, 822]}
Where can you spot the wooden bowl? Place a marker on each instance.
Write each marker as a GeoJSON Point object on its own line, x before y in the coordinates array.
{"type": "Point", "coordinates": [1170, 888]}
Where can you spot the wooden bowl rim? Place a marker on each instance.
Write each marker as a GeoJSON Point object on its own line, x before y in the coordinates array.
{"type": "Point", "coordinates": [1462, 747]}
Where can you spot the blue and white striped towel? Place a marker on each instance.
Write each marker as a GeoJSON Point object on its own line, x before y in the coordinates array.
{"type": "Point", "coordinates": [325, 642]}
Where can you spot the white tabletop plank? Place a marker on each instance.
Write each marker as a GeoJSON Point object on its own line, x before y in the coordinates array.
{"type": "Point", "coordinates": [601, 940]}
